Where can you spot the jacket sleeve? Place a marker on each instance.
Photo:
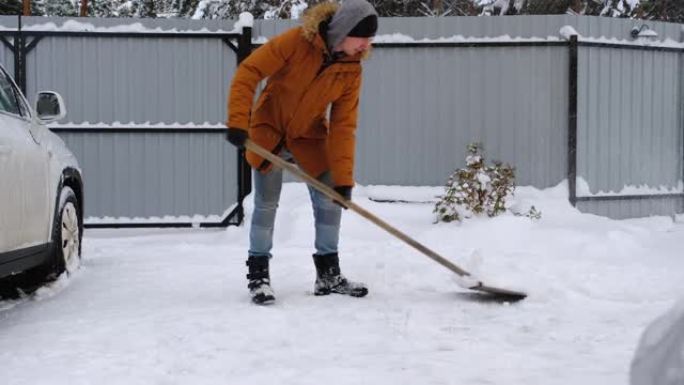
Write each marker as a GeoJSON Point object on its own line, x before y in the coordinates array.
{"type": "Point", "coordinates": [260, 64]}
{"type": "Point", "coordinates": [342, 136]}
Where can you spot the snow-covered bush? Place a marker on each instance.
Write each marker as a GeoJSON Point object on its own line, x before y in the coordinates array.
{"type": "Point", "coordinates": [476, 189]}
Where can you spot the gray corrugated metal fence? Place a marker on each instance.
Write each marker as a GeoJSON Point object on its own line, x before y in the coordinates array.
{"type": "Point", "coordinates": [147, 175]}
{"type": "Point", "coordinates": [629, 127]}
{"type": "Point", "coordinates": [420, 107]}
{"type": "Point", "coordinates": [156, 80]}
{"type": "Point", "coordinates": [145, 115]}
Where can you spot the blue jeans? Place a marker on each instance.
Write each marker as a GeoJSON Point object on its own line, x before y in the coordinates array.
{"type": "Point", "coordinates": [267, 188]}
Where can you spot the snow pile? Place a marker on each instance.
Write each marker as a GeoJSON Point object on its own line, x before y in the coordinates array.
{"type": "Point", "coordinates": [54, 288]}
{"type": "Point", "coordinates": [46, 291]}
{"type": "Point", "coordinates": [472, 265]}
{"type": "Point", "coordinates": [246, 20]}
{"type": "Point", "coordinates": [568, 31]}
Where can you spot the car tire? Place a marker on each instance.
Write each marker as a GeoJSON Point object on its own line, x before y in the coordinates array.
{"type": "Point", "coordinates": [67, 234]}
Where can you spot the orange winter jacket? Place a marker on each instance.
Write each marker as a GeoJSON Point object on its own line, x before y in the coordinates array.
{"type": "Point", "coordinates": [292, 111]}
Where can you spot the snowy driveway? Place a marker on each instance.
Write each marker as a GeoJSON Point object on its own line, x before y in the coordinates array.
{"type": "Point", "coordinates": [171, 306]}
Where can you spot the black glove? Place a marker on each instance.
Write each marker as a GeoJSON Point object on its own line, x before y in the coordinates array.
{"type": "Point", "coordinates": [345, 191]}
{"type": "Point", "coordinates": [237, 137]}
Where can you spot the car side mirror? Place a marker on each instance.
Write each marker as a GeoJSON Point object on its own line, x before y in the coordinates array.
{"type": "Point", "coordinates": [50, 107]}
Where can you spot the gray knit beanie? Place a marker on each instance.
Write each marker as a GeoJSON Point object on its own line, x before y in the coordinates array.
{"type": "Point", "coordinates": [348, 15]}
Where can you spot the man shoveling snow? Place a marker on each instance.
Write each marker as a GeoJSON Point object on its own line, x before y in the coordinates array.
{"type": "Point", "coordinates": [309, 68]}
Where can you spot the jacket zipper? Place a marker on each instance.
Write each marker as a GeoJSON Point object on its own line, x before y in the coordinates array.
{"type": "Point", "coordinates": [281, 143]}
{"type": "Point", "coordinates": [328, 60]}
{"type": "Point", "coordinates": [326, 64]}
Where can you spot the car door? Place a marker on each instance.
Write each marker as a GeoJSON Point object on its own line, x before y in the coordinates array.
{"type": "Point", "coordinates": [24, 173]}
{"type": "Point", "coordinates": [11, 185]}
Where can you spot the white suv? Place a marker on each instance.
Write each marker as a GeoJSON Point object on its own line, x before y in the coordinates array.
{"type": "Point", "coordinates": [41, 192]}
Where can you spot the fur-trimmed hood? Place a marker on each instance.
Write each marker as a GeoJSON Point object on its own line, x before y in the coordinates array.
{"type": "Point", "coordinates": [313, 17]}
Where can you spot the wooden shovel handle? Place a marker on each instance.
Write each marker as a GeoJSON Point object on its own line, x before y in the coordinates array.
{"type": "Point", "coordinates": [332, 194]}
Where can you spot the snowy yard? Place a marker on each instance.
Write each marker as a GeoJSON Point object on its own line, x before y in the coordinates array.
{"type": "Point", "coordinates": [171, 306]}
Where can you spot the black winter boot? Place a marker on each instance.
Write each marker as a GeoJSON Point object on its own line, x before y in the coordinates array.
{"type": "Point", "coordinates": [330, 280]}
{"type": "Point", "coordinates": [259, 281]}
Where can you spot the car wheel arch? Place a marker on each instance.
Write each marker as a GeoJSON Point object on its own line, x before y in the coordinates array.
{"type": "Point", "coordinates": [71, 177]}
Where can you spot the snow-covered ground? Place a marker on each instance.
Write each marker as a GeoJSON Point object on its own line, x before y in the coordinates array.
{"type": "Point", "coordinates": [171, 306]}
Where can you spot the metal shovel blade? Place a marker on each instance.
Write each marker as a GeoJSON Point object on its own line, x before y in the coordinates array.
{"type": "Point", "coordinates": [504, 295]}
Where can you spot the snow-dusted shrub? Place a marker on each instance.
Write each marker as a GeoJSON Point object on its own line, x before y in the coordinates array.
{"type": "Point", "coordinates": [476, 189]}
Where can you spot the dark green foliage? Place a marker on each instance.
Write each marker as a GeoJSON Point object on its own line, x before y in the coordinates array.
{"type": "Point", "coordinates": [546, 7]}
{"type": "Point", "coordinates": [664, 10]}
{"type": "Point", "coordinates": [10, 7]}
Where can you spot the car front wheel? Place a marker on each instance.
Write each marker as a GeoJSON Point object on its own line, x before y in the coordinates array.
{"type": "Point", "coordinates": [67, 234]}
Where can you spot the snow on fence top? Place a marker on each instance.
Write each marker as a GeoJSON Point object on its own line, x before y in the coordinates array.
{"type": "Point", "coordinates": [247, 20]}
{"type": "Point", "coordinates": [584, 190]}
{"type": "Point", "coordinates": [401, 38]}
{"type": "Point", "coordinates": [564, 34]}
{"type": "Point", "coordinates": [567, 31]}
{"type": "Point", "coordinates": [135, 125]}
{"type": "Point", "coordinates": [77, 26]}
{"type": "Point", "coordinates": [667, 43]}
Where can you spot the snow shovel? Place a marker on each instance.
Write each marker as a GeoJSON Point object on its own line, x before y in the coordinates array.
{"type": "Point", "coordinates": [466, 279]}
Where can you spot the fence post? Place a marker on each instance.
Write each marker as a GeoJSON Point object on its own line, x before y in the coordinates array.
{"type": "Point", "coordinates": [20, 58]}
{"type": "Point", "coordinates": [681, 101]}
{"type": "Point", "coordinates": [244, 170]}
{"type": "Point", "coordinates": [572, 121]}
